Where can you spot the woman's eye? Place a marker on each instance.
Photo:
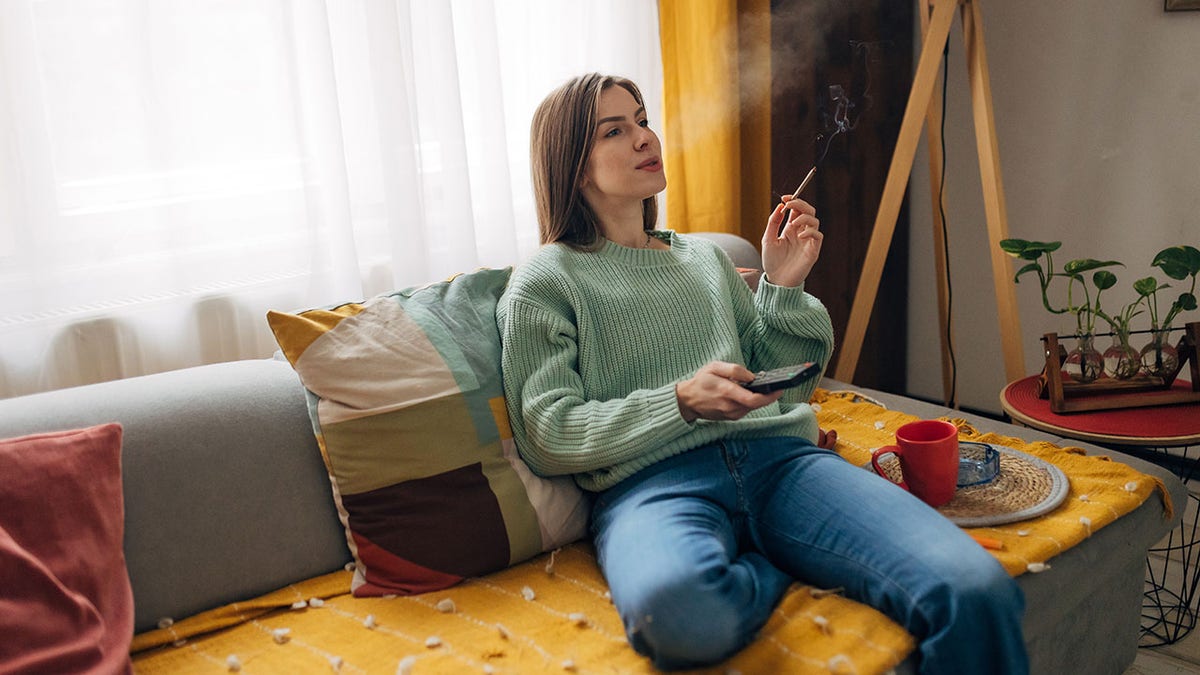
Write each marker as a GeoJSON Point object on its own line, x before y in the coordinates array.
{"type": "Point", "coordinates": [612, 132]}
{"type": "Point", "coordinates": [644, 123]}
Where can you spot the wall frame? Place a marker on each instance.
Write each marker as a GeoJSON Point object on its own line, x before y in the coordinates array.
{"type": "Point", "coordinates": [1180, 5]}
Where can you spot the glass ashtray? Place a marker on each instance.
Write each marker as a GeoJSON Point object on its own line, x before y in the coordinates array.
{"type": "Point", "coordinates": [978, 463]}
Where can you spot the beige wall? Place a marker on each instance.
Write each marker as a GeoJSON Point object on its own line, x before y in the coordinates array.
{"type": "Point", "coordinates": [1097, 108]}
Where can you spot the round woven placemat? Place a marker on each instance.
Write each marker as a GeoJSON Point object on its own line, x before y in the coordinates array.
{"type": "Point", "coordinates": [1025, 488]}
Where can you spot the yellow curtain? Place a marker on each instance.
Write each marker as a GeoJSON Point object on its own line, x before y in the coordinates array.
{"type": "Point", "coordinates": [716, 104]}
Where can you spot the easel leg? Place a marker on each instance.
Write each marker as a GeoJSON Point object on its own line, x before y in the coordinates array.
{"type": "Point", "coordinates": [993, 191]}
{"type": "Point", "coordinates": [933, 134]}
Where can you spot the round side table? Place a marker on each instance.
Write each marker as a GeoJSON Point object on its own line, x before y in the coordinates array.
{"type": "Point", "coordinates": [1169, 608]}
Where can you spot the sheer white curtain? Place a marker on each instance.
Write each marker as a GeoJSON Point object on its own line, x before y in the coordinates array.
{"type": "Point", "coordinates": [171, 169]}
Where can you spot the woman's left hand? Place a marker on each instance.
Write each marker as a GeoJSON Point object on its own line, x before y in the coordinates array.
{"type": "Point", "coordinates": [790, 251]}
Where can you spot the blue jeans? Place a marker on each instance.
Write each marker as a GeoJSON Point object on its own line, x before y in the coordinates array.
{"type": "Point", "coordinates": [698, 549]}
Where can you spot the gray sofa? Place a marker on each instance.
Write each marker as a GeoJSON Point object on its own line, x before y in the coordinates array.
{"type": "Point", "coordinates": [226, 498]}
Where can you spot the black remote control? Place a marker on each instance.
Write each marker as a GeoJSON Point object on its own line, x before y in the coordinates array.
{"type": "Point", "coordinates": [782, 378]}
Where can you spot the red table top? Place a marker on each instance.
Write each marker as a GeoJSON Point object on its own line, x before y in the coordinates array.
{"type": "Point", "coordinates": [1154, 426]}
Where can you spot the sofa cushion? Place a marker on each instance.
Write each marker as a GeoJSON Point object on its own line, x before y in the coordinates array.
{"type": "Point", "coordinates": [67, 605]}
{"type": "Point", "coordinates": [406, 402]}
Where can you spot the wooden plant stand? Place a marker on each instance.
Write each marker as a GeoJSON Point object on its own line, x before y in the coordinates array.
{"type": "Point", "coordinates": [1107, 393]}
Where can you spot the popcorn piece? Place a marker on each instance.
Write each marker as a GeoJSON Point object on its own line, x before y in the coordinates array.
{"type": "Point", "coordinates": [527, 593]}
{"type": "Point", "coordinates": [880, 425]}
{"type": "Point", "coordinates": [179, 643]}
{"type": "Point", "coordinates": [369, 622]}
{"type": "Point", "coordinates": [550, 563]}
{"type": "Point", "coordinates": [504, 634]}
{"type": "Point", "coordinates": [1131, 486]}
{"type": "Point", "coordinates": [578, 618]}
{"type": "Point", "coordinates": [1085, 498]}
{"type": "Point", "coordinates": [822, 623]}
{"type": "Point", "coordinates": [446, 606]}
{"type": "Point", "coordinates": [840, 663]}
{"type": "Point", "coordinates": [1086, 522]}
{"type": "Point", "coordinates": [166, 622]}
{"type": "Point", "coordinates": [1037, 567]}
{"type": "Point", "coordinates": [405, 667]}
{"type": "Point", "coordinates": [336, 662]}
{"type": "Point", "coordinates": [568, 665]}
{"type": "Point", "coordinates": [281, 635]}
{"type": "Point", "coordinates": [233, 663]}
{"type": "Point", "coordinates": [316, 602]}
{"type": "Point", "coordinates": [299, 604]}
{"type": "Point", "coordinates": [433, 641]}
{"type": "Point", "coordinates": [349, 567]}
{"type": "Point", "coordinates": [488, 669]}
{"type": "Point", "coordinates": [1022, 533]}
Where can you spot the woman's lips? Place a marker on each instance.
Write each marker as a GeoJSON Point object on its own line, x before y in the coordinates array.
{"type": "Point", "coordinates": [650, 165]}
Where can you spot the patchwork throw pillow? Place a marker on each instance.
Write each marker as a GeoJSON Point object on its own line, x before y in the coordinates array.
{"type": "Point", "coordinates": [407, 405]}
{"type": "Point", "coordinates": [66, 605]}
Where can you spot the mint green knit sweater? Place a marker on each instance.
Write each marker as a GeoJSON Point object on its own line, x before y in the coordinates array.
{"type": "Point", "coordinates": [594, 343]}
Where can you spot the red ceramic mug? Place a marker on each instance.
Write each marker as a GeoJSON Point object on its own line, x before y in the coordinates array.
{"type": "Point", "coordinates": [928, 455]}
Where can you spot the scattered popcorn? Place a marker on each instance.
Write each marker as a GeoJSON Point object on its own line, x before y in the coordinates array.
{"type": "Point", "coordinates": [816, 407]}
{"type": "Point", "coordinates": [527, 593]}
{"type": "Point", "coordinates": [608, 595]}
{"type": "Point", "coordinates": [349, 567]}
{"type": "Point", "coordinates": [568, 665]}
{"type": "Point", "coordinates": [166, 622]}
{"type": "Point", "coordinates": [179, 643]}
{"type": "Point", "coordinates": [389, 596]}
{"type": "Point", "coordinates": [369, 622]}
{"type": "Point", "coordinates": [336, 662]}
{"type": "Point", "coordinates": [1131, 486]}
{"type": "Point", "coordinates": [433, 641]}
{"type": "Point", "coordinates": [1086, 522]}
{"type": "Point", "coordinates": [233, 663]}
{"type": "Point", "coordinates": [550, 563]}
{"type": "Point", "coordinates": [299, 604]}
{"type": "Point", "coordinates": [1037, 567]}
{"type": "Point", "coordinates": [446, 606]}
{"type": "Point", "coordinates": [840, 663]}
{"type": "Point", "coordinates": [281, 635]}
{"type": "Point", "coordinates": [504, 634]}
{"type": "Point", "coordinates": [1022, 533]}
{"type": "Point", "coordinates": [578, 618]}
{"type": "Point", "coordinates": [316, 602]}
{"type": "Point", "coordinates": [487, 668]}
{"type": "Point", "coordinates": [880, 425]}
{"type": "Point", "coordinates": [822, 623]}
{"type": "Point", "coordinates": [1085, 498]}
{"type": "Point", "coordinates": [405, 666]}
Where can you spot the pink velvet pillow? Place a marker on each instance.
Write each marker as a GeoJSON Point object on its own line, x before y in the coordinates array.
{"type": "Point", "coordinates": [66, 605]}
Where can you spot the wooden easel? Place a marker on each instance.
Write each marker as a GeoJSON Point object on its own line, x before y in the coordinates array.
{"type": "Point", "coordinates": [935, 27]}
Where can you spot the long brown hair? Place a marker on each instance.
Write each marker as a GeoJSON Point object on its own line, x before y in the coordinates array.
{"type": "Point", "coordinates": [560, 142]}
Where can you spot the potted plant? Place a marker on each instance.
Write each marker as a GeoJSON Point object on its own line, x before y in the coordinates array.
{"type": "Point", "coordinates": [1159, 356]}
{"type": "Point", "coordinates": [1084, 363]}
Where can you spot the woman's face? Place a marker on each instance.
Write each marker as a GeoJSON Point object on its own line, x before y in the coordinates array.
{"type": "Point", "coordinates": [626, 160]}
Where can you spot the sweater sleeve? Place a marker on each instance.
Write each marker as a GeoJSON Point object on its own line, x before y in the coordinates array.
{"type": "Point", "coordinates": [782, 326]}
{"type": "Point", "coordinates": [558, 430]}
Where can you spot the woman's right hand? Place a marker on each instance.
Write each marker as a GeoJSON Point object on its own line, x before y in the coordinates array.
{"type": "Point", "coordinates": [715, 392]}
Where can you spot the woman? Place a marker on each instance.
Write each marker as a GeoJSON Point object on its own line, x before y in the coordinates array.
{"type": "Point", "coordinates": [624, 353]}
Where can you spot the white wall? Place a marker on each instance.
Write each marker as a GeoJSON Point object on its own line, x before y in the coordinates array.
{"type": "Point", "coordinates": [1097, 108]}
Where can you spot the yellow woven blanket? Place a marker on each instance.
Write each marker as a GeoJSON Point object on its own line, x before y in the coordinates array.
{"type": "Point", "coordinates": [552, 614]}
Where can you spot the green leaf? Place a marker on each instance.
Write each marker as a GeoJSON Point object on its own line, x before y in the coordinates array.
{"type": "Point", "coordinates": [1104, 280]}
{"type": "Point", "coordinates": [1028, 250]}
{"type": "Point", "coordinates": [1186, 302]}
{"type": "Point", "coordinates": [1077, 267]}
{"type": "Point", "coordinates": [1031, 267]}
{"type": "Point", "coordinates": [1145, 287]}
{"type": "Point", "coordinates": [1178, 262]}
